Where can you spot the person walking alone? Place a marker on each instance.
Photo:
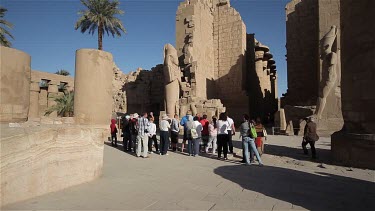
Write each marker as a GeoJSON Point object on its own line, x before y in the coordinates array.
{"type": "Point", "coordinates": [310, 137]}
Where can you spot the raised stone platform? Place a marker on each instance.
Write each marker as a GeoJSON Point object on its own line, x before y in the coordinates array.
{"type": "Point", "coordinates": [35, 160]}
{"type": "Point", "coordinates": [355, 150]}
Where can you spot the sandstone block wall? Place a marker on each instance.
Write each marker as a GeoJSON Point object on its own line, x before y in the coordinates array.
{"type": "Point", "coordinates": [194, 26]}
{"type": "Point", "coordinates": [302, 37]}
{"type": "Point", "coordinates": [14, 85]}
{"type": "Point", "coordinates": [93, 87]}
{"type": "Point", "coordinates": [43, 88]}
{"type": "Point", "coordinates": [230, 43]}
{"type": "Point", "coordinates": [43, 159]}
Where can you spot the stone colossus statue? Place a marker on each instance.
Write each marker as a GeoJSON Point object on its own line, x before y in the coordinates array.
{"type": "Point", "coordinates": [329, 69]}
{"type": "Point", "coordinates": [172, 76]}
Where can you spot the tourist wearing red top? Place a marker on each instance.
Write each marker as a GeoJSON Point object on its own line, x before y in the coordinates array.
{"type": "Point", "coordinates": [205, 134]}
{"type": "Point", "coordinates": [113, 132]}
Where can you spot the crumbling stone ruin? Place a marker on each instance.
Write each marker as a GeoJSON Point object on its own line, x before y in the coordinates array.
{"type": "Point", "coordinates": [211, 70]}
{"type": "Point", "coordinates": [314, 65]}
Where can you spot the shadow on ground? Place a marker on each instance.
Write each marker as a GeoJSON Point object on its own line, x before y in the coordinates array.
{"type": "Point", "coordinates": [324, 155]}
{"type": "Point", "coordinates": [320, 191]}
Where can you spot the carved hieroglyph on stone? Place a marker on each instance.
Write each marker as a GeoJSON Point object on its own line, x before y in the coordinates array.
{"type": "Point", "coordinates": [329, 70]}
{"type": "Point", "coordinates": [172, 75]}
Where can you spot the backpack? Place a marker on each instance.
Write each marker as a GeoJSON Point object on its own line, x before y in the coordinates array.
{"type": "Point", "coordinates": [193, 133]}
{"type": "Point", "coordinates": [252, 131]}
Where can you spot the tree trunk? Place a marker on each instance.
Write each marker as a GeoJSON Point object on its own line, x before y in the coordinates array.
{"type": "Point", "coordinates": [100, 36]}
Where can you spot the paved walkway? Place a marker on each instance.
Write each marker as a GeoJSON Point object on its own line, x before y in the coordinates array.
{"type": "Point", "coordinates": [290, 180]}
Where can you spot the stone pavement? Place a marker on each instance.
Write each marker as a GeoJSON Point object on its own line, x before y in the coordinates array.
{"type": "Point", "coordinates": [290, 180]}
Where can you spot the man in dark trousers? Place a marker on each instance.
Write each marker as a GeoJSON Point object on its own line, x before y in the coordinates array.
{"type": "Point", "coordinates": [126, 133]}
{"type": "Point", "coordinates": [310, 137]}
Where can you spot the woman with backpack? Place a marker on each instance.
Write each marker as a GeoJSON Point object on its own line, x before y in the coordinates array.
{"type": "Point", "coordinates": [248, 134]}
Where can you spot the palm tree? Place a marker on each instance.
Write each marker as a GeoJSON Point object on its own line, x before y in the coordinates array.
{"type": "Point", "coordinates": [62, 72]}
{"type": "Point", "coordinates": [3, 31]}
{"type": "Point", "coordinates": [64, 105]}
{"type": "Point", "coordinates": [100, 14]}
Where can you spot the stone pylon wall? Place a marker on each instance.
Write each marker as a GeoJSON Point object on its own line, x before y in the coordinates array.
{"type": "Point", "coordinates": [194, 26]}
{"type": "Point", "coordinates": [230, 46]}
{"type": "Point", "coordinates": [218, 37]}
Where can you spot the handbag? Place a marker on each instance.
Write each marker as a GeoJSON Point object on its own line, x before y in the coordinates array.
{"type": "Point", "coordinates": [264, 132]}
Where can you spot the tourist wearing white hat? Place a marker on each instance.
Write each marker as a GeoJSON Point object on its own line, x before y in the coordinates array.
{"type": "Point", "coordinates": [164, 127]}
{"type": "Point", "coordinates": [126, 133]}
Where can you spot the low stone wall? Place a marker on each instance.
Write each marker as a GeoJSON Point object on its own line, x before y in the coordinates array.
{"type": "Point", "coordinates": [40, 159]}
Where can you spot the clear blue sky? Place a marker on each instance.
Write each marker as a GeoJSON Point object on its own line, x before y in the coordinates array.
{"type": "Point", "coordinates": [45, 30]}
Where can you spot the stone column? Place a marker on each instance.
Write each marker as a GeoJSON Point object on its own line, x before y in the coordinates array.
{"type": "Point", "coordinates": [34, 99]}
{"type": "Point", "coordinates": [53, 90]}
{"type": "Point", "coordinates": [259, 54]}
{"type": "Point", "coordinates": [93, 87]}
{"type": "Point", "coordinates": [14, 85]}
{"type": "Point", "coordinates": [354, 145]}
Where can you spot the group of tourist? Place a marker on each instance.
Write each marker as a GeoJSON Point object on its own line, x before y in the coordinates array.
{"type": "Point", "coordinates": [200, 135]}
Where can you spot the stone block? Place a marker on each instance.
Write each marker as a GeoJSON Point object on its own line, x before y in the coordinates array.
{"type": "Point", "coordinates": [40, 160]}
{"type": "Point", "coordinates": [355, 150]}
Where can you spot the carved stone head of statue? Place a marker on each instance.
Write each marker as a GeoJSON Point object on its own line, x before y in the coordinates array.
{"type": "Point", "coordinates": [328, 41]}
